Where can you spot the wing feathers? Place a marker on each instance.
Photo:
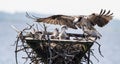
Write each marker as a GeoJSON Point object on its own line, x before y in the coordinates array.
{"type": "Point", "coordinates": [100, 19]}
{"type": "Point", "coordinates": [59, 19]}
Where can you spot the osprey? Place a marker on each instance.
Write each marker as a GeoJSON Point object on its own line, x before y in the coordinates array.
{"type": "Point", "coordinates": [55, 34]}
{"type": "Point", "coordinates": [81, 21]}
{"type": "Point", "coordinates": [63, 34]}
{"type": "Point", "coordinates": [91, 32]}
{"type": "Point", "coordinates": [93, 19]}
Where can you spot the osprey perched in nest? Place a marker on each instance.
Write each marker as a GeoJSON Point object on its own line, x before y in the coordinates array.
{"type": "Point", "coordinates": [55, 34]}
{"type": "Point", "coordinates": [63, 34]}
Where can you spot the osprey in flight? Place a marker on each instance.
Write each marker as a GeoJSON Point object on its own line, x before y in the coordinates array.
{"type": "Point", "coordinates": [100, 19]}
{"type": "Point", "coordinates": [82, 21]}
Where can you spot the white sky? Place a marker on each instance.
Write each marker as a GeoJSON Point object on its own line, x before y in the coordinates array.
{"type": "Point", "coordinates": [67, 7]}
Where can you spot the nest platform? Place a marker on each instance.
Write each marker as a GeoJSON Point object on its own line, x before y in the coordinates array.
{"type": "Point", "coordinates": [55, 51]}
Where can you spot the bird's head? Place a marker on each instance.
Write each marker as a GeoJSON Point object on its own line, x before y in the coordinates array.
{"type": "Point", "coordinates": [100, 19]}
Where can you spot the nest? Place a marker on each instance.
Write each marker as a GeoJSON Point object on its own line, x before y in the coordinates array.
{"type": "Point", "coordinates": [52, 51]}
{"type": "Point", "coordinates": [59, 52]}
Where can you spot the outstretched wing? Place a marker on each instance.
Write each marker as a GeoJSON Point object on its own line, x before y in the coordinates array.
{"type": "Point", "coordinates": [59, 19]}
{"type": "Point", "coordinates": [100, 19]}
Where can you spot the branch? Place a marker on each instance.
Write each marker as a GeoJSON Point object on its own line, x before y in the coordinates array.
{"type": "Point", "coordinates": [16, 51]}
{"type": "Point", "coordinates": [94, 55]}
{"type": "Point", "coordinates": [98, 47]}
{"type": "Point", "coordinates": [18, 31]}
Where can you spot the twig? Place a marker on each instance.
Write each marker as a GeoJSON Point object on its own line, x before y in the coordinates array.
{"type": "Point", "coordinates": [16, 51]}
{"type": "Point", "coordinates": [41, 26]}
{"type": "Point", "coordinates": [88, 57]}
{"type": "Point", "coordinates": [49, 48]}
{"type": "Point", "coordinates": [28, 28]}
{"type": "Point", "coordinates": [27, 15]}
{"type": "Point", "coordinates": [22, 49]}
{"type": "Point", "coordinates": [94, 55]}
{"type": "Point", "coordinates": [98, 47]}
{"type": "Point", "coordinates": [15, 28]}
{"type": "Point", "coordinates": [37, 27]}
{"type": "Point", "coordinates": [20, 37]}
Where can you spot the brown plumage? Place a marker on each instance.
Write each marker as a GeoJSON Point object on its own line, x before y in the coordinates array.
{"type": "Point", "coordinates": [100, 19]}
{"type": "Point", "coordinates": [86, 23]}
{"type": "Point", "coordinates": [59, 19]}
{"type": "Point", "coordinates": [89, 21]}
